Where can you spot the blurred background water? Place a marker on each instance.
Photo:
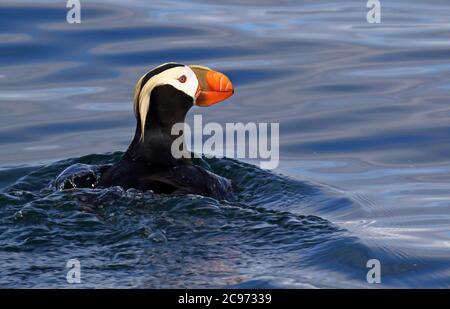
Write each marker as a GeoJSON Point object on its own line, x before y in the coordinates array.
{"type": "Point", "coordinates": [364, 135]}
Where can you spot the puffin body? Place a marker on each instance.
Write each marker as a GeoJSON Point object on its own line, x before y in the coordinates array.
{"type": "Point", "coordinates": [162, 98]}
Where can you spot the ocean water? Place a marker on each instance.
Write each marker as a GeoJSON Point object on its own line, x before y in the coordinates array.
{"type": "Point", "coordinates": [364, 168]}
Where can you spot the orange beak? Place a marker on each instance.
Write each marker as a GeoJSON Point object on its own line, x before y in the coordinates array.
{"type": "Point", "coordinates": [213, 87]}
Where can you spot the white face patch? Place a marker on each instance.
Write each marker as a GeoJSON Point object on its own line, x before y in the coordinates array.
{"type": "Point", "coordinates": [181, 78]}
{"type": "Point", "coordinates": [174, 78]}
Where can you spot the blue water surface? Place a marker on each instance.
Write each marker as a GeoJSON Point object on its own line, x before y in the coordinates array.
{"type": "Point", "coordinates": [364, 144]}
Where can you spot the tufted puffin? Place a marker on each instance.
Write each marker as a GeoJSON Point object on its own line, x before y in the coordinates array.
{"type": "Point", "coordinates": [162, 98]}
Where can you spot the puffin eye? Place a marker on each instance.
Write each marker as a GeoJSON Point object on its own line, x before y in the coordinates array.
{"type": "Point", "coordinates": [182, 79]}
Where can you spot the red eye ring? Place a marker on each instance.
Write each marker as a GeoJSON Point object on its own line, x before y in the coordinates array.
{"type": "Point", "coordinates": [182, 79]}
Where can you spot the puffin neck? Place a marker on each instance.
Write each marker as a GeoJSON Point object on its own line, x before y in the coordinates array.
{"type": "Point", "coordinates": [167, 108]}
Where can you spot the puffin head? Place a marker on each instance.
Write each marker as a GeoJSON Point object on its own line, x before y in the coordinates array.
{"type": "Point", "coordinates": [164, 95]}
